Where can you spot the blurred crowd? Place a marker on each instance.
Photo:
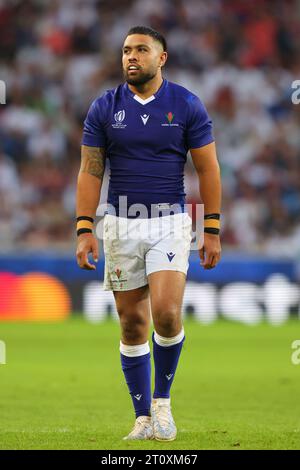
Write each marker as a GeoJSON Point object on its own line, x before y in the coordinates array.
{"type": "Point", "coordinates": [239, 57]}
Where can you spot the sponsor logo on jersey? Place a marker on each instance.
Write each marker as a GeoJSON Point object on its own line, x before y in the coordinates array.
{"type": "Point", "coordinates": [145, 118]}
{"type": "Point", "coordinates": [170, 116]}
{"type": "Point", "coordinates": [119, 118]}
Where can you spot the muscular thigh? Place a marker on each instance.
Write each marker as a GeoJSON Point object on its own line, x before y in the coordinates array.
{"type": "Point", "coordinates": [134, 312]}
{"type": "Point", "coordinates": [166, 296]}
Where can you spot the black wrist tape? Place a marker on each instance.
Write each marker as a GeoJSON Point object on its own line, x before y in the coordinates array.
{"type": "Point", "coordinates": [84, 230]}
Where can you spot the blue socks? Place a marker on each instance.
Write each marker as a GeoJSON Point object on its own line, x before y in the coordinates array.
{"type": "Point", "coordinates": [166, 352]}
{"type": "Point", "coordinates": [136, 366]}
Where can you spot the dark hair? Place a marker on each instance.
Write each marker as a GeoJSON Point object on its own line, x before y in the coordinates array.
{"type": "Point", "coordinates": [149, 32]}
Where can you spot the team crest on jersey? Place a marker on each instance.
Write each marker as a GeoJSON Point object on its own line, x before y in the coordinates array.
{"type": "Point", "coordinates": [169, 116]}
{"type": "Point", "coordinates": [119, 118]}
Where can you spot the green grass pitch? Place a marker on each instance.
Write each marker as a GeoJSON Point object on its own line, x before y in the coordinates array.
{"type": "Point", "coordinates": [63, 388]}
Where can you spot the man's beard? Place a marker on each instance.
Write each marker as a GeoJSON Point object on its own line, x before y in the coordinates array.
{"type": "Point", "coordinates": [139, 80]}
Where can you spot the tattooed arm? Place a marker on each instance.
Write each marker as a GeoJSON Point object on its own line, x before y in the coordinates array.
{"type": "Point", "coordinates": [88, 194]}
{"type": "Point", "coordinates": [90, 180]}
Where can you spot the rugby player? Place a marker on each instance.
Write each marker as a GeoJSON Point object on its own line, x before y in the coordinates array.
{"type": "Point", "coordinates": [145, 127]}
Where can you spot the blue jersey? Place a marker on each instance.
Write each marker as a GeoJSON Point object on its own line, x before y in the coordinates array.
{"type": "Point", "coordinates": [147, 141]}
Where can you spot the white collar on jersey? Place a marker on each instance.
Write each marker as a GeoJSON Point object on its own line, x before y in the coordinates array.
{"type": "Point", "coordinates": [147, 100]}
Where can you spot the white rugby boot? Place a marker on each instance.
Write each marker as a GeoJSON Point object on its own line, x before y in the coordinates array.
{"type": "Point", "coordinates": [142, 429]}
{"type": "Point", "coordinates": [164, 428]}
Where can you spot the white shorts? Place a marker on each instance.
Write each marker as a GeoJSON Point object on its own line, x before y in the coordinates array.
{"type": "Point", "coordinates": [135, 248]}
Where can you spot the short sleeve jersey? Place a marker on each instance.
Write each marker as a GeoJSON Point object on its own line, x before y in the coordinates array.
{"type": "Point", "coordinates": [147, 141]}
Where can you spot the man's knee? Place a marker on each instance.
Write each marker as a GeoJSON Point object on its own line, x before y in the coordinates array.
{"type": "Point", "coordinates": [167, 320]}
{"type": "Point", "coordinates": [134, 326]}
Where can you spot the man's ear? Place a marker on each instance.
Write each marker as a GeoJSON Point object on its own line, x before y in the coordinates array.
{"type": "Point", "coordinates": [164, 57]}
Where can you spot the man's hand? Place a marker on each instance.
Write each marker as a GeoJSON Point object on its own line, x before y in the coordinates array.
{"type": "Point", "coordinates": [210, 253]}
{"type": "Point", "coordinates": [87, 243]}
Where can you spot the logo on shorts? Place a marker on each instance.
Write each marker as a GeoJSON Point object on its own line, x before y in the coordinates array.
{"type": "Point", "coordinates": [138, 397]}
{"type": "Point", "coordinates": [170, 256]}
{"type": "Point", "coordinates": [118, 272]}
{"type": "Point", "coordinates": [168, 377]}
{"type": "Point", "coordinates": [118, 278]}
{"type": "Point", "coordinates": [119, 118]}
